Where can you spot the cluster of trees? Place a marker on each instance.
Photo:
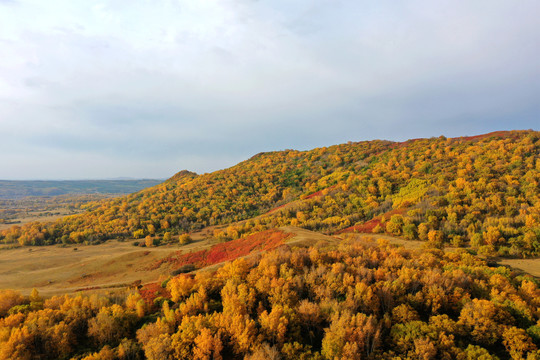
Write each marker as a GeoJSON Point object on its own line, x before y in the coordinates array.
{"type": "Point", "coordinates": [355, 300]}
{"type": "Point", "coordinates": [481, 192]}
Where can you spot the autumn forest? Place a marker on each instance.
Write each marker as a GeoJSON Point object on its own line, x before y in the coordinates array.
{"type": "Point", "coordinates": [255, 290]}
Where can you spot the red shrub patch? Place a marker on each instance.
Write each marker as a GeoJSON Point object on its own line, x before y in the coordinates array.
{"type": "Point", "coordinates": [320, 192]}
{"type": "Point", "coordinates": [226, 251]}
{"type": "Point", "coordinates": [231, 250]}
{"type": "Point", "coordinates": [151, 291]}
{"type": "Point", "coordinates": [368, 226]}
{"type": "Point", "coordinates": [488, 135]}
{"type": "Point", "coordinates": [315, 194]}
{"type": "Point", "coordinates": [276, 208]}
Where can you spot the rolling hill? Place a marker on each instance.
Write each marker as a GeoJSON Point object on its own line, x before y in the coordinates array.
{"type": "Point", "coordinates": [480, 191]}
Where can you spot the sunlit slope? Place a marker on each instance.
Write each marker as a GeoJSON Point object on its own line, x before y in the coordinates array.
{"type": "Point", "coordinates": [480, 191]}
{"type": "Point", "coordinates": [188, 202]}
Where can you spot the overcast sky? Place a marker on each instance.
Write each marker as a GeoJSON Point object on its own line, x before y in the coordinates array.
{"type": "Point", "coordinates": [102, 89]}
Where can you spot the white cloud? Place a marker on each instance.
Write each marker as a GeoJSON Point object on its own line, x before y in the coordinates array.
{"type": "Point", "coordinates": [219, 81]}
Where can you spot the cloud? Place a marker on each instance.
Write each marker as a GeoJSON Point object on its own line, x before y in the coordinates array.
{"type": "Point", "coordinates": [146, 88]}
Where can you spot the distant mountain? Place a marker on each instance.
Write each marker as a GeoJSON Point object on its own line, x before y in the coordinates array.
{"type": "Point", "coordinates": [13, 189]}
{"type": "Point", "coordinates": [481, 192]}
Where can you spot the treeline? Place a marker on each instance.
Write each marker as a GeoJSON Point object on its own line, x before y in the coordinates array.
{"type": "Point", "coordinates": [481, 192]}
{"type": "Point", "coordinates": [359, 300]}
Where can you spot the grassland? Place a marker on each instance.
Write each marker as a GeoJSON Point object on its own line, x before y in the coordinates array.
{"type": "Point", "coordinates": [56, 270]}
{"type": "Point", "coordinates": [60, 269]}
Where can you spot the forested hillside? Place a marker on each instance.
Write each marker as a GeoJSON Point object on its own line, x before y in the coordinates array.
{"type": "Point", "coordinates": [348, 301]}
{"type": "Point", "coordinates": [480, 191]}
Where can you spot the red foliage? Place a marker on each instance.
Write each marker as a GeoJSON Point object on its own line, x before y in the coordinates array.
{"type": "Point", "coordinates": [315, 194]}
{"type": "Point", "coordinates": [368, 226]}
{"type": "Point", "coordinates": [488, 135]}
{"type": "Point", "coordinates": [226, 251]}
{"type": "Point", "coordinates": [151, 291]}
{"type": "Point", "coordinates": [276, 208]}
{"type": "Point", "coordinates": [231, 250]}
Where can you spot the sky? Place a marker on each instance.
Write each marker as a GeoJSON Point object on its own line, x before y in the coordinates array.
{"type": "Point", "coordinates": [143, 89]}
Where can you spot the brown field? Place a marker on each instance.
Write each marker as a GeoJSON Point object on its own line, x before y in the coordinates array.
{"type": "Point", "coordinates": [57, 270]}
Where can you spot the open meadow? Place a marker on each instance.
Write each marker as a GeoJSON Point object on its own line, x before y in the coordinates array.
{"type": "Point", "coordinates": [57, 270]}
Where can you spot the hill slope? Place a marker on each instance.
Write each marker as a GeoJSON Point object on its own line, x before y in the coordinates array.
{"type": "Point", "coordinates": [481, 191]}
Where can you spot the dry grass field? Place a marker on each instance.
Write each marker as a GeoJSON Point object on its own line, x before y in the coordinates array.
{"type": "Point", "coordinates": [530, 266]}
{"type": "Point", "coordinates": [57, 270]}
